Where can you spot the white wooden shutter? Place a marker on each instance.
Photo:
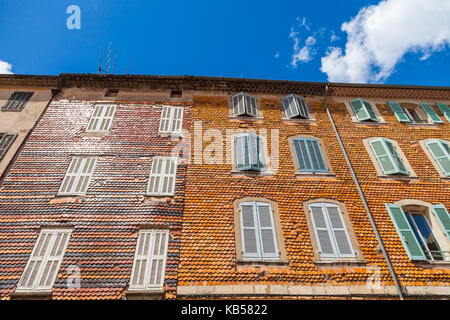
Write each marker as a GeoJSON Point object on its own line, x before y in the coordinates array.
{"type": "Point", "coordinates": [242, 150]}
{"type": "Point", "coordinates": [249, 231]}
{"type": "Point", "coordinates": [269, 247]}
{"type": "Point", "coordinates": [290, 108]}
{"type": "Point", "coordinates": [238, 104]}
{"type": "Point", "coordinates": [45, 260]}
{"type": "Point", "coordinates": [340, 234]}
{"type": "Point", "coordinates": [171, 120]}
{"type": "Point", "coordinates": [177, 119]}
{"type": "Point", "coordinates": [302, 107]}
{"type": "Point", "coordinates": [255, 152]}
{"type": "Point", "coordinates": [150, 260]}
{"type": "Point", "coordinates": [250, 105]}
{"type": "Point", "coordinates": [322, 231]}
{"type": "Point", "coordinates": [162, 176]}
{"type": "Point", "coordinates": [78, 176]}
{"type": "Point", "coordinates": [101, 118]}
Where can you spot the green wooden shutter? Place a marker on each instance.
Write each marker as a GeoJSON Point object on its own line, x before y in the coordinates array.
{"type": "Point", "coordinates": [443, 216]}
{"type": "Point", "coordinates": [444, 109]}
{"type": "Point", "coordinates": [397, 160]}
{"type": "Point", "coordinates": [398, 111]}
{"type": "Point", "coordinates": [383, 156]}
{"type": "Point", "coordinates": [430, 112]}
{"type": "Point", "coordinates": [405, 232]}
{"type": "Point", "coordinates": [370, 110]}
{"type": "Point", "coordinates": [439, 150]}
{"type": "Point", "coordinates": [359, 109]}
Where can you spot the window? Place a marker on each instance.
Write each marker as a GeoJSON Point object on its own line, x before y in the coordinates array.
{"type": "Point", "coordinates": [409, 112]}
{"type": "Point", "coordinates": [176, 93]}
{"type": "Point", "coordinates": [309, 155]}
{"type": "Point", "coordinates": [388, 157]}
{"type": "Point", "coordinates": [440, 150]}
{"type": "Point", "coordinates": [162, 176]}
{"type": "Point", "coordinates": [101, 118]}
{"type": "Point", "coordinates": [149, 260]}
{"type": "Point", "coordinates": [171, 120]}
{"type": "Point", "coordinates": [78, 176]}
{"type": "Point", "coordinates": [5, 142]}
{"type": "Point", "coordinates": [419, 238]}
{"type": "Point", "coordinates": [17, 101]}
{"type": "Point", "coordinates": [249, 152]}
{"type": "Point", "coordinates": [43, 265]}
{"type": "Point", "coordinates": [258, 233]}
{"type": "Point", "coordinates": [330, 231]}
{"type": "Point", "coordinates": [363, 110]}
{"type": "Point", "coordinates": [295, 106]}
{"type": "Point", "coordinates": [244, 104]}
{"type": "Point", "coordinates": [444, 109]}
{"type": "Point", "coordinates": [112, 93]}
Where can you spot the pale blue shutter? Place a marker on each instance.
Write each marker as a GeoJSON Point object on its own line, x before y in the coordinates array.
{"type": "Point", "coordinates": [443, 217]}
{"type": "Point", "coordinates": [359, 109]}
{"type": "Point", "coordinates": [398, 111]}
{"type": "Point", "coordinates": [444, 109]}
{"type": "Point", "coordinates": [430, 112]}
{"type": "Point", "coordinates": [290, 108]}
{"type": "Point", "coordinates": [397, 160]}
{"type": "Point", "coordinates": [405, 232]}
{"type": "Point", "coordinates": [440, 152]}
{"type": "Point", "coordinates": [241, 143]}
{"type": "Point", "coordinates": [257, 161]}
{"type": "Point", "coordinates": [250, 105]}
{"type": "Point", "coordinates": [309, 155]}
{"type": "Point", "coordinates": [387, 156]}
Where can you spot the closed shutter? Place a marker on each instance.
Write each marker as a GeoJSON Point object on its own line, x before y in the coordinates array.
{"type": "Point", "coordinates": [6, 142]}
{"type": "Point", "coordinates": [309, 155]}
{"type": "Point", "coordinates": [439, 150]}
{"type": "Point", "coordinates": [269, 248]}
{"type": "Point", "coordinates": [250, 105]}
{"type": "Point", "coordinates": [164, 123]}
{"type": "Point", "coordinates": [45, 260]}
{"type": "Point", "coordinates": [150, 260]}
{"type": "Point", "coordinates": [398, 112]}
{"type": "Point", "coordinates": [162, 176]}
{"type": "Point", "coordinates": [405, 232]}
{"type": "Point", "coordinates": [359, 109]}
{"type": "Point", "coordinates": [444, 109]}
{"type": "Point", "coordinates": [101, 118]}
{"type": "Point", "coordinates": [389, 162]}
{"type": "Point", "coordinates": [340, 234]}
{"type": "Point", "coordinates": [322, 232]}
{"type": "Point", "coordinates": [238, 104]}
{"type": "Point", "coordinates": [241, 143]}
{"type": "Point", "coordinates": [78, 176]}
{"type": "Point", "coordinates": [177, 119]}
{"type": "Point", "coordinates": [17, 101]}
{"type": "Point", "coordinates": [256, 152]}
{"type": "Point", "coordinates": [430, 112]}
{"type": "Point", "coordinates": [290, 107]}
{"type": "Point", "coordinates": [443, 217]}
{"type": "Point", "coordinates": [250, 241]}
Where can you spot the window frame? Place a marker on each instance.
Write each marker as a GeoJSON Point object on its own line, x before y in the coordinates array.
{"type": "Point", "coordinates": [101, 118]}
{"type": "Point", "coordinates": [232, 152]}
{"type": "Point", "coordinates": [355, 119]}
{"type": "Point", "coordinates": [7, 144]}
{"type": "Point", "coordinates": [77, 176]}
{"type": "Point", "coordinates": [162, 175]}
{"type": "Point", "coordinates": [324, 154]}
{"type": "Point", "coordinates": [245, 116]}
{"type": "Point", "coordinates": [298, 117]}
{"type": "Point", "coordinates": [22, 103]}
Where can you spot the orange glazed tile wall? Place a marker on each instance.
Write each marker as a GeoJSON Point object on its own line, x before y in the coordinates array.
{"type": "Point", "coordinates": [208, 254]}
{"type": "Point", "coordinates": [106, 220]}
{"type": "Point", "coordinates": [429, 187]}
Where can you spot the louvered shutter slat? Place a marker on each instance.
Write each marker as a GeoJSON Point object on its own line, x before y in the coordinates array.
{"type": "Point", "coordinates": [267, 232]}
{"type": "Point", "coordinates": [382, 155]}
{"type": "Point", "coordinates": [303, 107]}
{"type": "Point", "coordinates": [398, 111]}
{"type": "Point", "coordinates": [78, 175]}
{"type": "Point", "coordinates": [394, 154]}
{"type": "Point", "coordinates": [434, 117]}
{"type": "Point", "coordinates": [242, 150]}
{"type": "Point", "coordinates": [359, 110]}
{"type": "Point", "coordinates": [441, 155]}
{"type": "Point", "coordinates": [405, 232]}
{"type": "Point", "coordinates": [341, 237]}
{"type": "Point", "coordinates": [444, 109]}
{"type": "Point", "coordinates": [289, 107]}
{"type": "Point", "coordinates": [323, 234]}
{"type": "Point", "coordinates": [250, 246]}
{"type": "Point", "coordinates": [443, 217]}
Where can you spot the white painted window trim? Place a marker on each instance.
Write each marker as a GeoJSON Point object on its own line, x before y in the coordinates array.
{"type": "Point", "coordinates": [172, 122]}
{"type": "Point", "coordinates": [149, 256]}
{"type": "Point", "coordinates": [163, 175]}
{"type": "Point", "coordinates": [45, 258]}
{"type": "Point", "coordinates": [101, 117]}
{"type": "Point", "coordinates": [78, 175]}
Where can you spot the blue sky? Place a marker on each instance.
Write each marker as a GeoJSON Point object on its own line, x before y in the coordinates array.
{"type": "Point", "coordinates": [251, 39]}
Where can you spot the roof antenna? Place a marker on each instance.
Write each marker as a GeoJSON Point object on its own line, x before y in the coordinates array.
{"type": "Point", "coordinates": [114, 63]}
{"type": "Point", "coordinates": [109, 59]}
{"type": "Point", "coordinates": [100, 65]}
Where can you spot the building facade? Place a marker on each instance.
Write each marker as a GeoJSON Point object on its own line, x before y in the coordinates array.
{"type": "Point", "coordinates": [154, 187]}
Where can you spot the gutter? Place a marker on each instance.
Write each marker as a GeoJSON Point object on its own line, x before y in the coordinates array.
{"type": "Point", "coordinates": [363, 198]}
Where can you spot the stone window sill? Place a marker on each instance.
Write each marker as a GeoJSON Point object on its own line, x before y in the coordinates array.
{"type": "Point", "coordinates": [30, 295]}
{"type": "Point", "coordinates": [422, 125]}
{"type": "Point", "coordinates": [156, 198]}
{"type": "Point", "coordinates": [95, 134]}
{"type": "Point", "coordinates": [370, 123]}
{"type": "Point", "coordinates": [398, 178]}
{"type": "Point", "coordinates": [277, 263]}
{"type": "Point", "coordinates": [430, 264]}
{"type": "Point", "coordinates": [245, 118]}
{"type": "Point", "coordinates": [340, 263]}
{"type": "Point", "coordinates": [299, 120]}
{"type": "Point", "coordinates": [320, 175]}
{"type": "Point", "coordinates": [67, 198]}
{"type": "Point", "coordinates": [156, 294]}
{"type": "Point", "coordinates": [252, 173]}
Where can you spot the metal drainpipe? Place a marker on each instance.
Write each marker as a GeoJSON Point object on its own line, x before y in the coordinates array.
{"type": "Point", "coordinates": [363, 198]}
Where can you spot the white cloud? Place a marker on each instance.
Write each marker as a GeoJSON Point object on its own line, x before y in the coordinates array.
{"type": "Point", "coordinates": [380, 35]}
{"type": "Point", "coordinates": [334, 37]}
{"type": "Point", "coordinates": [304, 53]}
{"type": "Point", "coordinates": [277, 55]}
{"type": "Point", "coordinates": [5, 67]}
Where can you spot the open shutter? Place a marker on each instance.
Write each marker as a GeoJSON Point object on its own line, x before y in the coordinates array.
{"type": "Point", "coordinates": [301, 151]}
{"type": "Point", "coordinates": [107, 117]}
{"type": "Point", "coordinates": [341, 237]}
{"type": "Point", "coordinates": [360, 110]}
{"type": "Point", "coordinates": [443, 217]}
{"type": "Point", "coordinates": [53, 261]}
{"type": "Point", "coordinates": [166, 115]}
{"type": "Point", "coordinates": [158, 259]}
{"type": "Point", "coordinates": [405, 232]}
{"type": "Point", "coordinates": [169, 176]}
{"type": "Point", "coordinates": [290, 107]}
{"type": "Point", "coordinates": [241, 143]}
{"type": "Point", "coordinates": [397, 160]}
{"type": "Point", "coordinates": [441, 155]}
{"type": "Point", "coordinates": [444, 109]}
{"type": "Point", "coordinates": [238, 104]}
{"type": "Point", "coordinates": [316, 156]}
{"type": "Point", "coordinates": [84, 175]}
{"type": "Point", "coordinates": [269, 247]}
{"type": "Point", "coordinates": [382, 154]}
{"type": "Point", "coordinates": [250, 105]}
{"type": "Point", "coordinates": [430, 112]}
{"type": "Point", "coordinates": [250, 241]}
{"type": "Point", "coordinates": [322, 232]}
{"type": "Point", "coordinates": [398, 111]}
{"type": "Point", "coordinates": [141, 260]}
{"type": "Point", "coordinates": [177, 119]}
{"type": "Point", "coordinates": [95, 118]}
{"type": "Point", "coordinates": [370, 110]}
{"type": "Point", "coordinates": [155, 176]}
{"type": "Point", "coordinates": [303, 107]}
{"type": "Point", "coordinates": [257, 161]}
